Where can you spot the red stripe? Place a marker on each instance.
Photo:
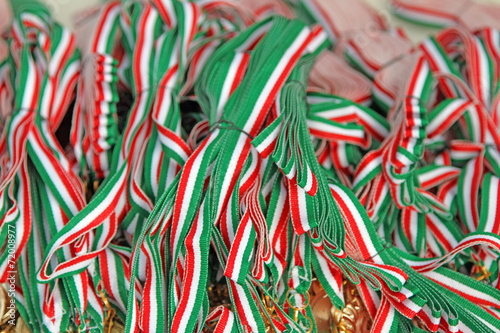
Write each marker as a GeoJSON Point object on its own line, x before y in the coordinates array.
{"type": "Point", "coordinates": [169, 134]}
{"type": "Point", "coordinates": [185, 178]}
{"type": "Point", "coordinates": [235, 247]}
{"type": "Point", "coordinates": [425, 10]}
{"type": "Point", "coordinates": [338, 137]}
{"type": "Point", "coordinates": [382, 315]}
{"type": "Point", "coordinates": [297, 223]}
{"type": "Point", "coordinates": [169, 75]}
{"type": "Point", "coordinates": [353, 225]}
{"type": "Point", "coordinates": [440, 178]}
{"type": "Point", "coordinates": [239, 166]}
{"type": "Point", "coordinates": [438, 235]}
{"type": "Point", "coordinates": [187, 292]}
{"type": "Point", "coordinates": [279, 84]}
{"type": "Point", "coordinates": [240, 72]}
{"type": "Point", "coordinates": [75, 194]}
{"type": "Point", "coordinates": [146, 304]}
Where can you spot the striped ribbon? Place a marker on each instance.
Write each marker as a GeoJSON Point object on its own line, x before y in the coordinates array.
{"type": "Point", "coordinates": [230, 184]}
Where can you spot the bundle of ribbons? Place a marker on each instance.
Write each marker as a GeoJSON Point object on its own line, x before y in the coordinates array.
{"type": "Point", "coordinates": [264, 166]}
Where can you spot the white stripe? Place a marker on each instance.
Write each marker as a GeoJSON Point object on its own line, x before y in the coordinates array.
{"type": "Point", "coordinates": [63, 46]}
{"type": "Point", "coordinates": [228, 82]}
{"type": "Point", "coordinates": [193, 287]}
{"type": "Point", "coordinates": [492, 204]}
{"type": "Point", "coordinates": [310, 176]}
{"type": "Point", "coordinates": [463, 155]}
{"type": "Point", "coordinates": [29, 87]}
{"type": "Point", "coordinates": [334, 114]}
{"type": "Point", "coordinates": [63, 191]}
{"type": "Point", "coordinates": [372, 123]}
{"type": "Point", "coordinates": [147, 48]}
{"type": "Point", "coordinates": [251, 168]}
{"type": "Point", "coordinates": [316, 42]}
{"type": "Point", "coordinates": [153, 278]}
{"type": "Point", "coordinates": [241, 251]}
{"type": "Point", "coordinates": [325, 268]}
{"type": "Point", "coordinates": [469, 175]}
{"type": "Point", "coordinates": [155, 162]}
{"type": "Point", "coordinates": [141, 109]}
{"type": "Point", "coordinates": [190, 190]}
{"type": "Point", "coordinates": [443, 230]}
{"type": "Point", "coordinates": [367, 241]}
{"type": "Point", "coordinates": [484, 71]}
{"type": "Point", "coordinates": [230, 322]}
{"type": "Point", "coordinates": [367, 169]}
{"type": "Point", "coordinates": [382, 96]}
{"type": "Point", "coordinates": [165, 104]}
{"type": "Point", "coordinates": [269, 139]}
{"type": "Point", "coordinates": [312, 6]}
{"type": "Point", "coordinates": [86, 220]}
{"type": "Point", "coordinates": [188, 23]}
{"type": "Point", "coordinates": [388, 320]}
{"type": "Point", "coordinates": [420, 80]}
{"type": "Point", "coordinates": [246, 306]}
{"type": "Point", "coordinates": [231, 170]}
{"type": "Point", "coordinates": [103, 38]}
{"type": "Point", "coordinates": [301, 196]}
{"type": "Point", "coordinates": [441, 278]}
{"type": "Point", "coordinates": [69, 73]}
{"type": "Point", "coordinates": [335, 130]}
{"type": "Point", "coordinates": [342, 154]}
{"type": "Point", "coordinates": [445, 114]}
{"type": "Point", "coordinates": [277, 73]}
{"type": "Point", "coordinates": [435, 173]}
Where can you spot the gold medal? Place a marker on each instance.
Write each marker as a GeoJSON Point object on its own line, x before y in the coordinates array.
{"type": "Point", "coordinates": [353, 318]}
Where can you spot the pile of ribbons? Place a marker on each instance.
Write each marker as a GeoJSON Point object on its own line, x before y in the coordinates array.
{"type": "Point", "coordinates": [216, 166]}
